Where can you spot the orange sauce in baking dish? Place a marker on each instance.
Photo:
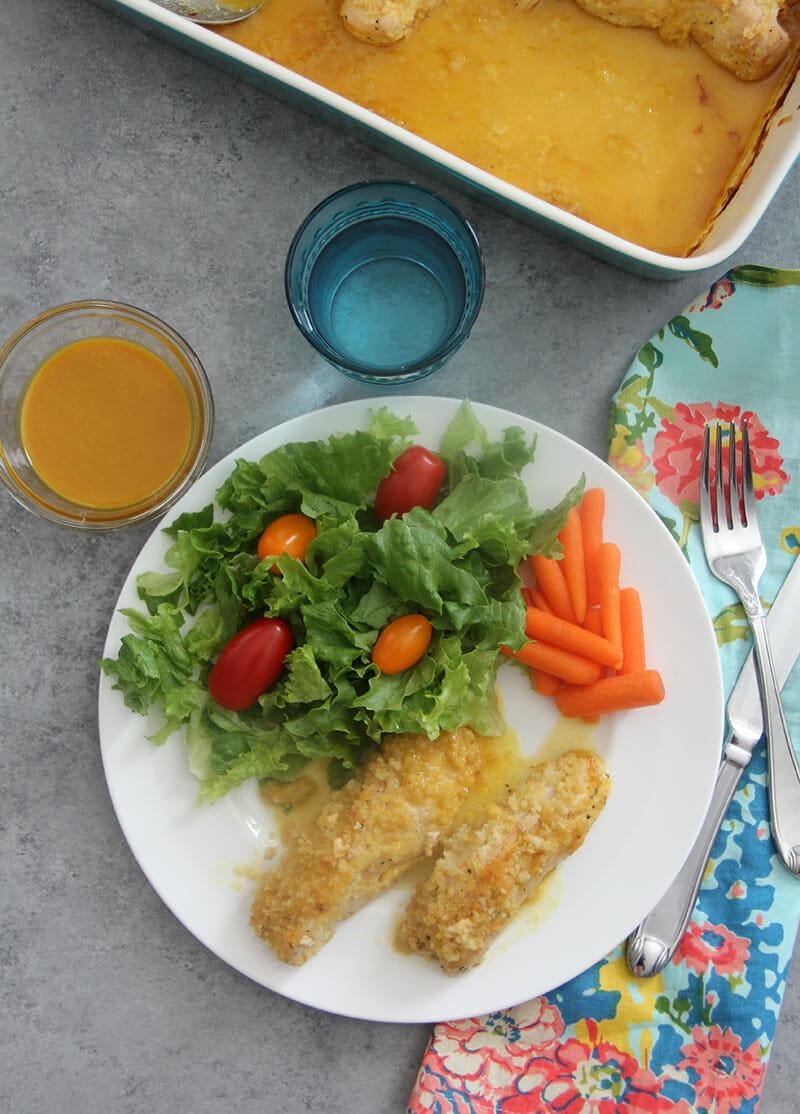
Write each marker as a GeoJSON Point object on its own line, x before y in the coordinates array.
{"type": "Point", "coordinates": [105, 422]}
{"type": "Point", "coordinates": [612, 124]}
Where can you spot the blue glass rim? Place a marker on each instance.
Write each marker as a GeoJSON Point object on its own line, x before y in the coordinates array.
{"type": "Point", "coordinates": [462, 240]}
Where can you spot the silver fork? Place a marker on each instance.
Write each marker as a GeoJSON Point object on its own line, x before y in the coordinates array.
{"type": "Point", "coordinates": [736, 555]}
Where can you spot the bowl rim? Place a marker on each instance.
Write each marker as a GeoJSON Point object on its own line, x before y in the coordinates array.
{"type": "Point", "coordinates": [148, 508]}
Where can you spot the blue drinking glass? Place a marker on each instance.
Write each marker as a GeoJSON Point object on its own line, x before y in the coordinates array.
{"type": "Point", "coordinates": [385, 279]}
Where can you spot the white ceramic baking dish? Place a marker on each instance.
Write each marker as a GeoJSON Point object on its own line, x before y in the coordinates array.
{"type": "Point", "coordinates": [776, 152]}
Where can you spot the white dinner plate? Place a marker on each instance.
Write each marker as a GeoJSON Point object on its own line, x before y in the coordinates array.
{"type": "Point", "coordinates": [202, 859]}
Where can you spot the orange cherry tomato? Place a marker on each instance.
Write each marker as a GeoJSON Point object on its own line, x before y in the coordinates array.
{"type": "Point", "coordinates": [291, 533]}
{"type": "Point", "coordinates": [402, 643]}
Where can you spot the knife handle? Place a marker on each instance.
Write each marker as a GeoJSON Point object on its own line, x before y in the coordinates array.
{"type": "Point", "coordinates": [784, 773]}
{"type": "Point", "coordinates": [652, 945]}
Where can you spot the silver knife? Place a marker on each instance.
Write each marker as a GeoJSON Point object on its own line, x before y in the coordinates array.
{"type": "Point", "coordinates": [653, 943]}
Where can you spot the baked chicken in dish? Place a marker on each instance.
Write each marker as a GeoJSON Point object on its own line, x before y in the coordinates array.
{"type": "Point", "coordinates": [748, 37]}
{"type": "Point", "coordinates": [383, 21]}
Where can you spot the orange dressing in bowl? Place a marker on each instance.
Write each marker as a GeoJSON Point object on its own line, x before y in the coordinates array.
{"type": "Point", "coordinates": [105, 422]}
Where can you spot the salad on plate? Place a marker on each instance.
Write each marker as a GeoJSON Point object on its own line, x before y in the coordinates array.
{"type": "Point", "coordinates": [261, 640]}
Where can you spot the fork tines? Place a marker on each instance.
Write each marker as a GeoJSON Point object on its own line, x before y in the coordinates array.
{"type": "Point", "coordinates": [724, 498]}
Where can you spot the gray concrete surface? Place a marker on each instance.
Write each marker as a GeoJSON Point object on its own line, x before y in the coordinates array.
{"type": "Point", "coordinates": [131, 171]}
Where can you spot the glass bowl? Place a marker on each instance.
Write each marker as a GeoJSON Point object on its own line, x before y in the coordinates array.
{"type": "Point", "coordinates": [120, 389]}
{"type": "Point", "coordinates": [385, 279]}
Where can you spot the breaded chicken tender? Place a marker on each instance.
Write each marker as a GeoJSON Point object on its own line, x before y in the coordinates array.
{"type": "Point", "coordinates": [492, 862]}
{"type": "Point", "coordinates": [391, 816]}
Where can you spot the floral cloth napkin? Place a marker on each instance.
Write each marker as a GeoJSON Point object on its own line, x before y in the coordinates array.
{"type": "Point", "coordinates": [698, 1036]}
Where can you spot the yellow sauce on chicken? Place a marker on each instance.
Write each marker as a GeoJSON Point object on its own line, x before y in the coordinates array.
{"type": "Point", "coordinates": [297, 803]}
{"type": "Point", "coordinates": [612, 124]}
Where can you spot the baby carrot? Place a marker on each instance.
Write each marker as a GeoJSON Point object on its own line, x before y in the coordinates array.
{"type": "Point", "coordinates": [607, 564]}
{"type": "Point", "coordinates": [569, 636]}
{"type": "Point", "coordinates": [535, 598]}
{"type": "Point", "coordinates": [560, 663]}
{"type": "Point", "coordinates": [612, 694]}
{"type": "Point", "coordinates": [594, 620]}
{"type": "Point", "coordinates": [573, 563]}
{"type": "Point", "coordinates": [544, 683]}
{"type": "Point", "coordinates": [632, 630]}
{"type": "Point", "coordinates": [551, 582]}
{"type": "Point", "coordinates": [591, 512]}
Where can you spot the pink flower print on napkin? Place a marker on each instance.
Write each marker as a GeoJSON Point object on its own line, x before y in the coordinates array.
{"type": "Point", "coordinates": [678, 450]}
{"type": "Point", "coordinates": [728, 1075]}
{"type": "Point", "coordinates": [477, 1063]}
{"type": "Point", "coordinates": [597, 1078]}
{"type": "Point", "coordinates": [719, 293]}
{"type": "Point", "coordinates": [712, 945]}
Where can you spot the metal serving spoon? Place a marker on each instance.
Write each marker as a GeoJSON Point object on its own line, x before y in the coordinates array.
{"type": "Point", "coordinates": [212, 11]}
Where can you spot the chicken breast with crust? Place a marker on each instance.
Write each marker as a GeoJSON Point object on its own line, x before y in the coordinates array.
{"type": "Point", "coordinates": [748, 37]}
{"type": "Point", "coordinates": [492, 862]}
{"type": "Point", "coordinates": [387, 819]}
{"type": "Point", "coordinates": [383, 22]}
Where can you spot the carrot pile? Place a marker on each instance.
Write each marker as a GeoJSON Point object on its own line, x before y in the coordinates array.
{"type": "Point", "coordinates": [586, 641]}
